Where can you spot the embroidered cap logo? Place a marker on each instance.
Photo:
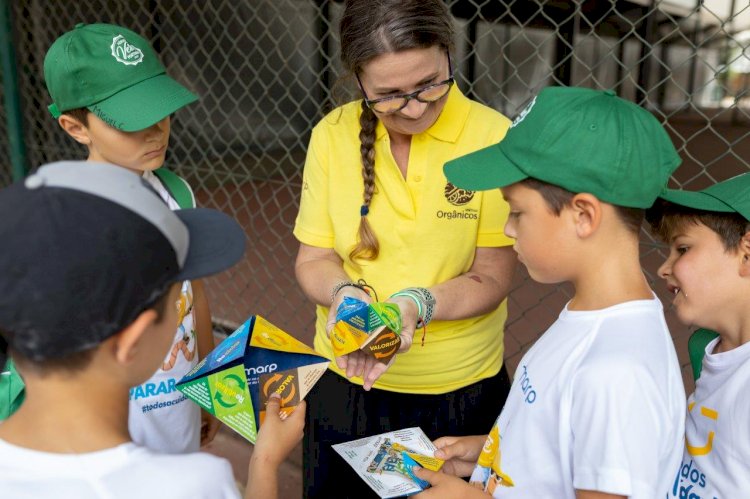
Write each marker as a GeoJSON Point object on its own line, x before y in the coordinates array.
{"type": "Point", "coordinates": [124, 52]}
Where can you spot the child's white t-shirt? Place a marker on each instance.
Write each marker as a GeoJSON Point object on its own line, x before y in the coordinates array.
{"type": "Point", "coordinates": [161, 417]}
{"type": "Point", "coordinates": [716, 461]}
{"type": "Point", "coordinates": [597, 403]}
{"type": "Point", "coordinates": [123, 472]}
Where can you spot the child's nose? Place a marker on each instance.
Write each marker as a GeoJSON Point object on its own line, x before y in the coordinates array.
{"type": "Point", "coordinates": [159, 127]}
{"type": "Point", "coordinates": [665, 269]}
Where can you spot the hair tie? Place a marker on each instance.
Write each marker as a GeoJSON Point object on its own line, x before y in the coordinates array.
{"type": "Point", "coordinates": [364, 210]}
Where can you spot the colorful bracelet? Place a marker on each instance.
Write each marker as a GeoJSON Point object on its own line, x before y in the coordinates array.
{"type": "Point", "coordinates": [428, 301]}
{"type": "Point", "coordinates": [414, 298]}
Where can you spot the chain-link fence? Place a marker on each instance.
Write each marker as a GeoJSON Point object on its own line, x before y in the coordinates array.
{"type": "Point", "coordinates": [267, 70]}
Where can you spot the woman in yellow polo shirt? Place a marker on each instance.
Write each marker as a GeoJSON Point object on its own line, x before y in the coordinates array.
{"type": "Point", "coordinates": [376, 206]}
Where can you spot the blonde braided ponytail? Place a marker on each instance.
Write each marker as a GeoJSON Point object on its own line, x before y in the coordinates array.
{"type": "Point", "coordinates": [367, 247]}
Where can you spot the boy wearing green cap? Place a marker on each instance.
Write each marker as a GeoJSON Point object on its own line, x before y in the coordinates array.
{"type": "Point", "coordinates": [708, 272]}
{"type": "Point", "coordinates": [597, 405]}
{"type": "Point", "coordinates": [111, 93]}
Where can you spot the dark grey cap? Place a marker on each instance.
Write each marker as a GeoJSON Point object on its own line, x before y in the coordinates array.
{"type": "Point", "coordinates": [88, 246]}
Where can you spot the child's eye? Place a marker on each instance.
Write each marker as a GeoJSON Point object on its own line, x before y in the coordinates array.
{"type": "Point", "coordinates": [514, 214]}
{"type": "Point", "coordinates": [682, 249]}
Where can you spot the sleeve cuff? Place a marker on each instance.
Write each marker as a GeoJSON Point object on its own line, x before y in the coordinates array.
{"type": "Point", "coordinates": [493, 240]}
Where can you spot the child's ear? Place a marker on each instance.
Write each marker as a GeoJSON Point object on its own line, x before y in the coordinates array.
{"type": "Point", "coordinates": [127, 341]}
{"type": "Point", "coordinates": [744, 253]}
{"type": "Point", "coordinates": [587, 213]}
{"type": "Point", "coordinates": [75, 129]}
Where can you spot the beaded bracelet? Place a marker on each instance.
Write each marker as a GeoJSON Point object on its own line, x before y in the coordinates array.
{"type": "Point", "coordinates": [361, 284]}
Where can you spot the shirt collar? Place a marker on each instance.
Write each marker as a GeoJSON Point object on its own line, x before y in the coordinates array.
{"type": "Point", "coordinates": [451, 120]}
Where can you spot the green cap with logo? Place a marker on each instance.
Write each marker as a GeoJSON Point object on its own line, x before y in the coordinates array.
{"type": "Point", "coordinates": [579, 139]}
{"type": "Point", "coordinates": [729, 196]}
{"type": "Point", "coordinates": [115, 74]}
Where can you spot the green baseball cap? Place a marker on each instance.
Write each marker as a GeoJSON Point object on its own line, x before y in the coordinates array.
{"type": "Point", "coordinates": [732, 195]}
{"type": "Point", "coordinates": [115, 74]}
{"type": "Point", "coordinates": [579, 139]}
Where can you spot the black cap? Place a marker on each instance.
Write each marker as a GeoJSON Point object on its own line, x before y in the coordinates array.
{"type": "Point", "coordinates": [87, 247]}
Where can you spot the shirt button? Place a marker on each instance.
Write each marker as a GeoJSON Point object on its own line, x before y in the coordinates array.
{"type": "Point", "coordinates": [418, 178]}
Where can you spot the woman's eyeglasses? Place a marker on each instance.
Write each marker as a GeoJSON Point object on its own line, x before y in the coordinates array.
{"type": "Point", "coordinates": [429, 93]}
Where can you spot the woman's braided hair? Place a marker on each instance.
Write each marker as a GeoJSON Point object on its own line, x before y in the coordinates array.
{"type": "Point", "coordinates": [368, 29]}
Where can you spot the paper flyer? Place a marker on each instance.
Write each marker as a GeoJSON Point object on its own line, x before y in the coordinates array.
{"type": "Point", "coordinates": [385, 461]}
{"type": "Point", "coordinates": [234, 381]}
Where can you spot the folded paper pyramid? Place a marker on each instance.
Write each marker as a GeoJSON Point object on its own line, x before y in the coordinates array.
{"type": "Point", "coordinates": [234, 381]}
{"type": "Point", "coordinates": [374, 328]}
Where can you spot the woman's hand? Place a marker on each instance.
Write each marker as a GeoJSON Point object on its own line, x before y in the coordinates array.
{"type": "Point", "coordinates": [338, 299]}
{"type": "Point", "coordinates": [363, 364]}
{"type": "Point", "coordinates": [351, 362]}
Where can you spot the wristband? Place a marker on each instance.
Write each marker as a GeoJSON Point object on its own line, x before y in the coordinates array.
{"type": "Point", "coordinates": [416, 299]}
{"type": "Point", "coordinates": [428, 300]}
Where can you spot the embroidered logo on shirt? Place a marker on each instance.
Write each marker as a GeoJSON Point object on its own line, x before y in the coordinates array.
{"type": "Point", "coordinates": [124, 52]}
{"type": "Point", "coordinates": [457, 196]}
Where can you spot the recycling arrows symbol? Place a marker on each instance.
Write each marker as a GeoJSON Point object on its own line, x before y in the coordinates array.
{"type": "Point", "coordinates": [231, 381]}
{"type": "Point", "coordinates": [273, 379]}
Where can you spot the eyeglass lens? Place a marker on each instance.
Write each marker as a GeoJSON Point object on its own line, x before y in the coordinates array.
{"type": "Point", "coordinates": [429, 94]}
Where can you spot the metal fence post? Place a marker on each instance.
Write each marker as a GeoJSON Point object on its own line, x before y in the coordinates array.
{"type": "Point", "coordinates": [566, 33]}
{"type": "Point", "coordinates": [647, 34]}
{"type": "Point", "coordinates": [12, 95]}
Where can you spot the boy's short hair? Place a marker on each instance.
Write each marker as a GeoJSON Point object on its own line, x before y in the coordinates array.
{"type": "Point", "coordinates": [556, 198]}
{"type": "Point", "coordinates": [114, 73]}
{"type": "Point", "coordinates": [724, 208]}
{"type": "Point", "coordinates": [87, 247]}
{"type": "Point", "coordinates": [76, 361]}
{"type": "Point", "coordinates": [579, 139]}
{"type": "Point", "coordinates": [79, 113]}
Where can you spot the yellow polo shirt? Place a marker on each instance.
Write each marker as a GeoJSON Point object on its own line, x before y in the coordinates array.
{"type": "Point", "coordinates": [428, 232]}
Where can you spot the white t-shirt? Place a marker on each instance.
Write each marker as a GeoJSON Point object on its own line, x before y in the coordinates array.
{"type": "Point", "coordinates": [161, 417]}
{"type": "Point", "coordinates": [126, 471]}
{"type": "Point", "coordinates": [597, 403]}
{"type": "Point", "coordinates": [716, 462]}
